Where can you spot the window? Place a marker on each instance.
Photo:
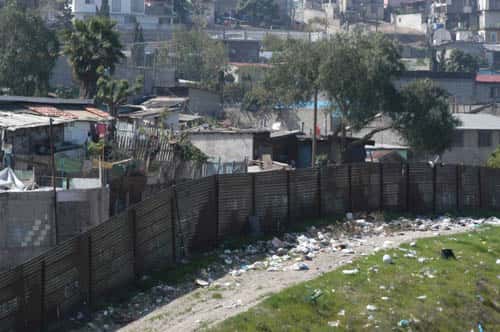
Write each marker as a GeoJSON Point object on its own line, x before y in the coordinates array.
{"type": "Point", "coordinates": [138, 6]}
{"type": "Point", "coordinates": [494, 92]}
{"type": "Point", "coordinates": [484, 138]}
{"type": "Point", "coordinates": [458, 139]}
{"type": "Point", "coordinates": [116, 6]}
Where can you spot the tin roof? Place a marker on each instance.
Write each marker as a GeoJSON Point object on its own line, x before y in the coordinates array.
{"type": "Point", "coordinates": [13, 121]}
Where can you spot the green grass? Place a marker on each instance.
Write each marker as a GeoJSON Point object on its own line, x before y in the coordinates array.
{"type": "Point", "coordinates": [462, 292]}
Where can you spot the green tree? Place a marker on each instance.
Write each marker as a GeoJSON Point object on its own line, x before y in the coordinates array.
{"type": "Point", "coordinates": [424, 119]}
{"type": "Point", "coordinates": [138, 49]}
{"type": "Point", "coordinates": [28, 52]}
{"type": "Point", "coordinates": [182, 10]}
{"type": "Point", "coordinates": [91, 44]}
{"type": "Point", "coordinates": [104, 10]}
{"type": "Point", "coordinates": [64, 19]}
{"type": "Point", "coordinates": [198, 57]}
{"type": "Point", "coordinates": [114, 93]}
{"type": "Point", "coordinates": [494, 159]}
{"type": "Point", "coordinates": [258, 12]}
{"type": "Point", "coordinates": [460, 62]}
{"type": "Point", "coordinates": [295, 76]}
{"type": "Point", "coordinates": [357, 75]}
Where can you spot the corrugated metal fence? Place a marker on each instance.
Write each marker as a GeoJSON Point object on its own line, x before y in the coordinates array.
{"type": "Point", "coordinates": [198, 214]}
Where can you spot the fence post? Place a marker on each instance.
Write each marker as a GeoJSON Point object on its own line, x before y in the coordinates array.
{"type": "Point", "coordinates": [434, 187]}
{"type": "Point", "coordinates": [480, 187]}
{"type": "Point", "coordinates": [254, 205]}
{"type": "Point", "coordinates": [172, 220]}
{"type": "Point", "coordinates": [43, 323]}
{"type": "Point", "coordinates": [131, 217]}
{"type": "Point", "coordinates": [85, 253]}
{"type": "Point", "coordinates": [216, 184]}
{"type": "Point", "coordinates": [349, 176]}
{"type": "Point", "coordinates": [381, 179]}
{"type": "Point", "coordinates": [407, 187]}
{"type": "Point", "coordinates": [318, 183]}
{"type": "Point", "coordinates": [288, 205]}
{"type": "Point", "coordinates": [458, 186]}
{"type": "Point", "coordinates": [21, 306]}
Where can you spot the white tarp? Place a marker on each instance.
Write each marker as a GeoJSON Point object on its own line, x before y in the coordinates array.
{"type": "Point", "coordinates": [9, 180]}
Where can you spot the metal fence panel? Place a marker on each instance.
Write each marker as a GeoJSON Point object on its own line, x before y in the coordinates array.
{"type": "Point", "coordinates": [304, 194]}
{"type": "Point", "coordinates": [235, 203]}
{"type": "Point", "coordinates": [271, 200]}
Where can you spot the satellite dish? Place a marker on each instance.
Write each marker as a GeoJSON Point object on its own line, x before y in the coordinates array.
{"type": "Point", "coordinates": [441, 36]}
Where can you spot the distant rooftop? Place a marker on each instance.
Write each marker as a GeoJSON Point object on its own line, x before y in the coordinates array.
{"type": "Point", "coordinates": [45, 100]}
{"type": "Point", "coordinates": [14, 121]}
{"type": "Point", "coordinates": [478, 121]}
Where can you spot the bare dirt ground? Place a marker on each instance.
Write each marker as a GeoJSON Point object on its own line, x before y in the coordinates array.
{"type": "Point", "coordinates": [231, 295]}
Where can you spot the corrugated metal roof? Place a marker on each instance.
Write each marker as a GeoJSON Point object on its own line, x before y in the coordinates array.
{"type": "Point", "coordinates": [14, 121]}
{"type": "Point", "coordinates": [478, 121]}
{"type": "Point", "coordinates": [45, 100]}
{"type": "Point", "coordinates": [51, 112]}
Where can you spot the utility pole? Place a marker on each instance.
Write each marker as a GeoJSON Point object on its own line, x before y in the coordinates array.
{"type": "Point", "coordinates": [53, 169]}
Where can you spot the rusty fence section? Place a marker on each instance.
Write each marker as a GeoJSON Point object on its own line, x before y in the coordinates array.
{"type": "Point", "coordinates": [196, 215]}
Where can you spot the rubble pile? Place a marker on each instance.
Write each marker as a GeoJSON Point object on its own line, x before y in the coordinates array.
{"type": "Point", "coordinates": [287, 253]}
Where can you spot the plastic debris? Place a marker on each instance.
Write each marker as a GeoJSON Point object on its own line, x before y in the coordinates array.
{"type": "Point", "coordinates": [371, 307]}
{"type": "Point", "coordinates": [404, 323]}
{"type": "Point", "coordinates": [387, 259]}
{"type": "Point", "coordinates": [300, 267]}
{"type": "Point", "coordinates": [353, 271]}
{"type": "Point", "coordinates": [202, 283]}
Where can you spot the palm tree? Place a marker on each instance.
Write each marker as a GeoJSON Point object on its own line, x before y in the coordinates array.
{"type": "Point", "coordinates": [91, 44]}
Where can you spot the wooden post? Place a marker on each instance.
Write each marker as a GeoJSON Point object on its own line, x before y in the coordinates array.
{"type": "Point", "coordinates": [172, 220]}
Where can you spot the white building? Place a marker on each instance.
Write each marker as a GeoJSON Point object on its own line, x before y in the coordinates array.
{"type": "Point", "coordinates": [489, 20]}
{"type": "Point", "coordinates": [128, 11]}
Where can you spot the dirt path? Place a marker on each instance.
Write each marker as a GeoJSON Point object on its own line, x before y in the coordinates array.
{"type": "Point", "coordinates": [206, 307]}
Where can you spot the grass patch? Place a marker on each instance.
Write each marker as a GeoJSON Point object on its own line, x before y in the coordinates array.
{"type": "Point", "coordinates": [217, 296]}
{"type": "Point", "coordinates": [455, 294]}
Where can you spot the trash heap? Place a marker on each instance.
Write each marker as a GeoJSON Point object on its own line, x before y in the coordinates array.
{"type": "Point", "coordinates": [287, 253]}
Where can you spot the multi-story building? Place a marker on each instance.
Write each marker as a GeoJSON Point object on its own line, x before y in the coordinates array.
{"type": "Point", "coordinates": [128, 11]}
{"type": "Point", "coordinates": [362, 9]}
{"type": "Point", "coordinates": [489, 20]}
{"type": "Point", "coordinates": [455, 14]}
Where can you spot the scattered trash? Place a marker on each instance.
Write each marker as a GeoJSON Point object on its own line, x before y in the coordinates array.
{"type": "Point", "coordinates": [404, 323]}
{"type": "Point", "coordinates": [334, 324]}
{"type": "Point", "coordinates": [422, 297]}
{"type": "Point", "coordinates": [349, 216]}
{"type": "Point", "coordinates": [413, 244]}
{"type": "Point", "coordinates": [447, 254]}
{"type": "Point", "coordinates": [371, 307]}
{"type": "Point", "coordinates": [387, 259]}
{"type": "Point", "coordinates": [498, 261]}
{"type": "Point", "coordinates": [300, 267]}
{"type": "Point", "coordinates": [341, 312]}
{"type": "Point", "coordinates": [384, 298]}
{"type": "Point", "coordinates": [353, 271]}
{"type": "Point", "coordinates": [317, 293]}
{"type": "Point", "coordinates": [277, 243]}
{"type": "Point", "coordinates": [202, 283]}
